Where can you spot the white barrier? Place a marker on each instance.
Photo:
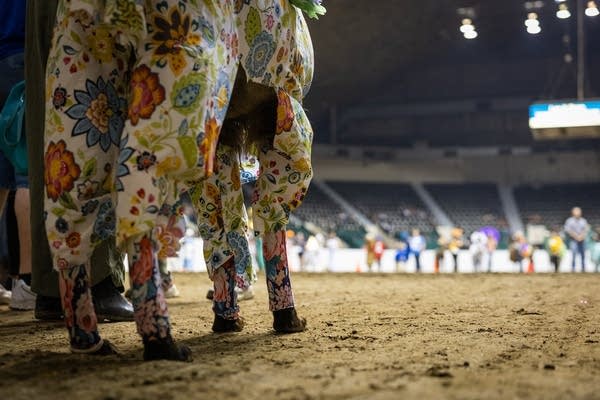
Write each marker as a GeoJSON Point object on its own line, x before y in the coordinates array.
{"type": "Point", "coordinates": [354, 260]}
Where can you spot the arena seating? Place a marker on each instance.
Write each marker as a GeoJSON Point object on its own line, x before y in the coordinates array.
{"type": "Point", "coordinates": [394, 207]}
{"type": "Point", "coordinates": [550, 205]}
{"type": "Point", "coordinates": [470, 206]}
{"type": "Point", "coordinates": [320, 210]}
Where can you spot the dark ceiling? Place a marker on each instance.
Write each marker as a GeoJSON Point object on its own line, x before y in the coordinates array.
{"type": "Point", "coordinates": [403, 52]}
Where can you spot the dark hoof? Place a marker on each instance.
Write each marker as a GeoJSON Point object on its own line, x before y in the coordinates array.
{"type": "Point", "coordinates": [210, 294]}
{"type": "Point", "coordinates": [106, 349]}
{"type": "Point", "coordinates": [166, 350]}
{"type": "Point", "coordinates": [287, 321]}
{"type": "Point", "coordinates": [222, 325]}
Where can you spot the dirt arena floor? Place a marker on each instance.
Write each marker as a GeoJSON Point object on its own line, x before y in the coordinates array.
{"type": "Point", "coordinates": [369, 337]}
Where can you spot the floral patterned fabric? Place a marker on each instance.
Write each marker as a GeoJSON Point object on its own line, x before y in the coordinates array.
{"type": "Point", "coordinates": [78, 308]}
{"type": "Point", "coordinates": [137, 92]}
{"type": "Point", "coordinates": [276, 51]}
{"type": "Point", "coordinates": [135, 109]}
{"type": "Point", "coordinates": [277, 270]}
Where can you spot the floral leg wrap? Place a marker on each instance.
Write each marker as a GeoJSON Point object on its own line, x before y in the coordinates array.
{"type": "Point", "coordinates": [85, 113]}
{"type": "Point", "coordinates": [79, 314]}
{"type": "Point", "coordinates": [223, 227]}
{"type": "Point", "coordinates": [225, 296]}
{"type": "Point", "coordinates": [279, 285]}
{"type": "Point", "coordinates": [147, 294]}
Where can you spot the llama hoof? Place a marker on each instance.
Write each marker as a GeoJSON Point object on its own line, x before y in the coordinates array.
{"type": "Point", "coordinates": [103, 348]}
{"type": "Point", "coordinates": [166, 349]}
{"type": "Point", "coordinates": [287, 321]}
{"type": "Point", "coordinates": [222, 325]}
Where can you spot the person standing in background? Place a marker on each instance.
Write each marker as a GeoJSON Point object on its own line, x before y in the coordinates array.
{"type": "Point", "coordinates": [456, 243]}
{"type": "Point", "coordinates": [556, 249]}
{"type": "Point", "coordinates": [14, 186]}
{"type": "Point", "coordinates": [332, 244]}
{"type": "Point", "coordinates": [417, 244]}
{"type": "Point", "coordinates": [577, 229]}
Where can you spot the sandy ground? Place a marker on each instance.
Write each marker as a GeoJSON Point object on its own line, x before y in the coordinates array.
{"type": "Point", "coordinates": [370, 337]}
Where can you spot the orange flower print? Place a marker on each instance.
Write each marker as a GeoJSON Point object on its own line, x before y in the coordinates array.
{"type": "Point", "coordinates": [209, 143]}
{"type": "Point", "coordinates": [146, 94]}
{"type": "Point", "coordinates": [168, 238]}
{"type": "Point", "coordinates": [143, 267]}
{"type": "Point", "coordinates": [73, 240]}
{"type": "Point", "coordinates": [61, 171]}
{"type": "Point", "coordinates": [171, 35]}
{"type": "Point", "coordinates": [285, 112]}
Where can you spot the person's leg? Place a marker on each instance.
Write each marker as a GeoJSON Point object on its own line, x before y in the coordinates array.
{"type": "Point", "coordinates": [22, 210]}
{"type": "Point", "coordinates": [574, 253]}
{"type": "Point", "coordinates": [418, 261]}
{"type": "Point", "coordinates": [41, 15]}
{"type": "Point", "coordinates": [23, 298]}
{"type": "Point", "coordinates": [581, 251]}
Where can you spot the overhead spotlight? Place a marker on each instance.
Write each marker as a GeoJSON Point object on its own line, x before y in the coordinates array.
{"type": "Point", "coordinates": [471, 34]}
{"type": "Point", "coordinates": [467, 26]}
{"type": "Point", "coordinates": [532, 20]}
{"type": "Point", "coordinates": [563, 11]}
{"type": "Point", "coordinates": [534, 29]}
{"type": "Point", "coordinates": [592, 9]}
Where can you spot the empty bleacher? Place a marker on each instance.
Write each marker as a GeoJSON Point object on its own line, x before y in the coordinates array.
{"type": "Point", "coordinates": [394, 207]}
{"type": "Point", "coordinates": [551, 205]}
{"type": "Point", "coordinates": [470, 206]}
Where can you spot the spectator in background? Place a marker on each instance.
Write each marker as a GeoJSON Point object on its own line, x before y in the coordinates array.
{"type": "Point", "coordinates": [596, 250]}
{"type": "Point", "coordinates": [456, 243]}
{"type": "Point", "coordinates": [370, 250]}
{"type": "Point", "coordinates": [555, 246]}
{"type": "Point", "coordinates": [14, 187]}
{"type": "Point", "coordinates": [577, 229]}
{"type": "Point", "coordinates": [493, 237]}
{"type": "Point", "coordinates": [417, 244]}
{"type": "Point", "coordinates": [478, 249]}
{"type": "Point", "coordinates": [402, 255]}
{"type": "Point", "coordinates": [379, 248]}
{"type": "Point", "coordinates": [313, 246]}
{"type": "Point", "coordinates": [522, 252]}
{"type": "Point", "coordinates": [300, 242]}
{"type": "Point", "coordinates": [332, 244]}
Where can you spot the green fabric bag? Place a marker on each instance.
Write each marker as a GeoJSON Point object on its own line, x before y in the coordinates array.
{"type": "Point", "coordinates": [12, 136]}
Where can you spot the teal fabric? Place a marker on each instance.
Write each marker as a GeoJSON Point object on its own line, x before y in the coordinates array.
{"type": "Point", "coordinates": [12, 137]}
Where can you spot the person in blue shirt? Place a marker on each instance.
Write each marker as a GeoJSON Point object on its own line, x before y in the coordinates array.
{"type": "Point", "coordinates": [417, 245]}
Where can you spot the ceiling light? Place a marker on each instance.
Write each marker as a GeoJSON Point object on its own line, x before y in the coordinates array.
{"type": "Point", "coordinates": [563, 11]}
{"type": "Point", "coordinates": [467, 26]}
{"type": "Point", "coordinates": [532, 20]}
{"type": "Point", "coordinates": [592, 9]}
{"type": "Point", "coordinates": [471, 34]}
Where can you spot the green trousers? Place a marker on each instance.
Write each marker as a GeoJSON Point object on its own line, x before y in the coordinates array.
{"type": "Point", "coordinates": [106, 261]}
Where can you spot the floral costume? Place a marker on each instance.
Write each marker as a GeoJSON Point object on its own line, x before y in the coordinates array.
{"type": "Point", "coordinates": [276, 51]}
{"type": "Point", "coordinates": [137, 92]}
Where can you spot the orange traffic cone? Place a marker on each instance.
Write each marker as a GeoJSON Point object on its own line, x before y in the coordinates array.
{"type": "Point", "coordinates": [530, 269]}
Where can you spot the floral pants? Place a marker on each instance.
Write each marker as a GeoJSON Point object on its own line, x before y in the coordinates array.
{"type": "Point", "coordinates": [136, 98]}
{"type": "Point", "coordinates": [276, 51]}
